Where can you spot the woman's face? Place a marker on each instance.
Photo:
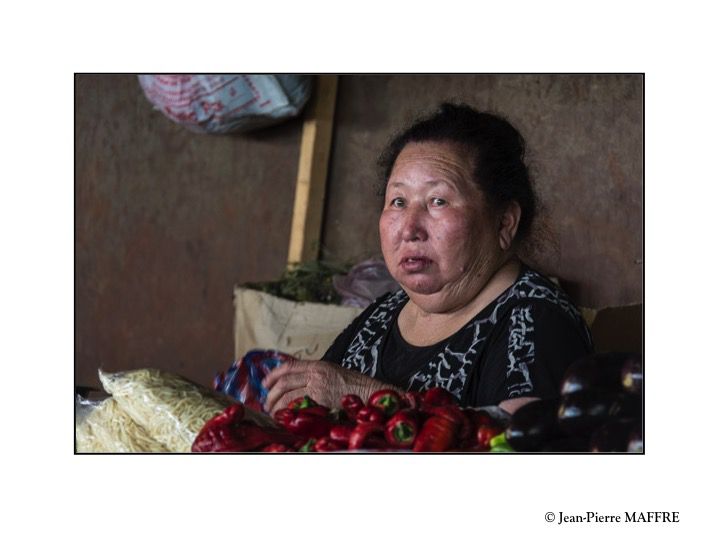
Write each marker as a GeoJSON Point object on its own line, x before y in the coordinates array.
{"type": "Point", "coordinates": [439, 238]}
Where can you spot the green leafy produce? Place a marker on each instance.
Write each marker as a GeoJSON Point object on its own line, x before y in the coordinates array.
{"type": "Point", "coordinates": [305, 282]}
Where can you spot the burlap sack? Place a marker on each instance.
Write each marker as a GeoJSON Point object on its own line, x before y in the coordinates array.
{"type": "Point", "coordinates": [302, 329]}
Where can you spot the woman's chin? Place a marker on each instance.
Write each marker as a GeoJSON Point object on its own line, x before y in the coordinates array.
{"type": "Point", "coordinates": [421, 285]}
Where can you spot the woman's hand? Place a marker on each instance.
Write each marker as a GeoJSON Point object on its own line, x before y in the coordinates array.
{"type": "Point", "coordinates": [324, 382]}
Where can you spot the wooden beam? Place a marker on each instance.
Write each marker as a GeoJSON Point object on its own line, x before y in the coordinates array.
{"type": "Point", "coordinates": [312, 172]}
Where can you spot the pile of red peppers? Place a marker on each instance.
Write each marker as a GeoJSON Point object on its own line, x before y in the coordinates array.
{"type": "Point", "coordinates": [428, 421]}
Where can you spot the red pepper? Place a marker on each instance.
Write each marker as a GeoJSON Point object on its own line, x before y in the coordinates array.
{"type": "Point", "coordinates": [277, 447]}
{"type": "Point", "coordinates": [367, 435]}
{"type": "Point", "coordinates": [412, 400]}
{"type": "Point", "coordinates": [308, 422]}
{"type": "Point", "coordinates": [370, 415]}
{"type": "Point", "coordinates": [388, 401]}
{"type": "Point", "coordinates": [351, 404]}
{"type": "Point", "coordinates": [479, 418]}
{"type": "Point", "coordinates": [485, 433]}
{"type": "Point", "coordinates": [437, 435]}
{"type": "Point", "coordinates": [457, 416]}
{"type": "Point", "coordinates": [338, 416]}
{"type": "Point", "coordinates": [230, 415]}
{"type": "Point", "coordinates": [401, 429]}
{"type": "Point", "coordinates": [341, 434]}
{"type": "Point", "coordinates": [229, 432]}
{"type": "Point", "coordinates": [437, 396]}
{"type": "Point", "coordinates": [326, 444]}
{"type": "Point", "coordinates": [305, 402]}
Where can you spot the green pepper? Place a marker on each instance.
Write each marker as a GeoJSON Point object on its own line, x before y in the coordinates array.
{"type": "Point", "coordinates": [499, 444]}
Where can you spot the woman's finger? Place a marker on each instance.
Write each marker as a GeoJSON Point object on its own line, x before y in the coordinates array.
{"type": "Point", "coordinates": [282, 385]}
{"type": "Point", "coordinates": [290, 366]}
{"type": "Point", "coordinates": [275, 374]}
{"type": "Point", "coordinates": [287, 398]}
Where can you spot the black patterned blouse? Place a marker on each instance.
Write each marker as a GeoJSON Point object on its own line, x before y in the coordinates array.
{"type": "Point", "coordinates": [519, 345]}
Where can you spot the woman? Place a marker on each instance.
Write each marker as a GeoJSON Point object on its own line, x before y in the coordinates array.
{"type": "Point", "coordinates": [470, 317]}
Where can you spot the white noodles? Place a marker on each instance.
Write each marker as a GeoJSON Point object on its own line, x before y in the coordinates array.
{"type": "Point", "coordinates": [170, 408]}
{"type": "Point", "coordinates": [109, 429]}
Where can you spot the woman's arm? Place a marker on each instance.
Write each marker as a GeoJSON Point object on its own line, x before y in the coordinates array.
{"type": "Point", "coordinates": [326, 381]}
{"type": "Point", "coordinates": [512, 405]}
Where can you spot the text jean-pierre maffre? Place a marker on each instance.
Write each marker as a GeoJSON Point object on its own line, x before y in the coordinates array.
{"type": "Point", "coordinates": [628, 517]}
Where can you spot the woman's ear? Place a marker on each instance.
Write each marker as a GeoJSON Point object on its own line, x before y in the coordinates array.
{"type": "Point", "coordinates": [509, 222]}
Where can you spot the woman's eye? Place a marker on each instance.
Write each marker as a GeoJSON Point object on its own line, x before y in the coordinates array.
{"type": "Point", "coordinates": [397, 202]}
{"type": "Point", "coordinates": [437, 201]}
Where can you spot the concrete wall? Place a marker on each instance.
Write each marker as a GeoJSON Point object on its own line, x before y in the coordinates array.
{"type": "Point", "coordinates": [585, 142]}
{"type": "Point", "coordinates": [167, 221]}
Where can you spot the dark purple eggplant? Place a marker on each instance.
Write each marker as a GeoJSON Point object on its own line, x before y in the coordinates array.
{"type": "Point", "coordinates": [635, 441]}
{"type": "Point", "coordinates": [626, 406]}
{"type": "Point", "coordinates": [566, 444]}
{"type": "Point", "coordinates": [580, 413]}
{"type": "Point", "coordinates": [632, 374]}
{"type": "Point", "coordinates": [612, 436]}
{"type": "Point", "coordinates": [532, 425]}
{"type": "Point", "coordinates": [599, 372]}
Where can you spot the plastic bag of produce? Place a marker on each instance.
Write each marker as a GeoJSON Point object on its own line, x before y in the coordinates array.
{"type": "Point", "coordinates": [171, 408]}
{"type": "Point", "coordinates": [242, 381]}
{"type": "Point", "coordinates": [85, 440]}
{"type": "Point", "coordinates": [227, 103]}
{"type": "Point", "coordinates": [102, 426]}
{"type": "Point", "coordinates": [364, 283]}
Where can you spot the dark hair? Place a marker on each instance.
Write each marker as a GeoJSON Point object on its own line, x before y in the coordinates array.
{"type": "Point", "coordinates": [498, 151]}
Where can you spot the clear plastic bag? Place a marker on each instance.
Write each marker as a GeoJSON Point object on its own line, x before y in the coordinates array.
{"type": "Point", "coordinates": [102, 426]}
{"type": "Point", "coordinates": [171, 408]}
{"type": "Point", "coordinates": [365, 282]}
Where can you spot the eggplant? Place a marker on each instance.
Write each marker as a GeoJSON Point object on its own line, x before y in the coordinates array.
{"type": "Point", "coordinates": [566, 444]}
{"type": "Point", "coordinates": [635, 440]}
{"type": "Point", "coordinates": [532, 425]}
{"type": "Point", "coordinates": [601, 372]}
{"type": "Point", "coordinates": [626, 406]}
{"type": "Point", "coordinates": [632, 374]}
{"type": "Point", "coordinates": [580, 413]}
{"type": "Point", "coordinates": [612, 436]}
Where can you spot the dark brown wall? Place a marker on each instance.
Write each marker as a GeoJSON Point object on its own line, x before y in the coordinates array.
{"type": "Point", "coordinates": [584, 136]}
{"type": "Point", "coordinates": [166, 222]}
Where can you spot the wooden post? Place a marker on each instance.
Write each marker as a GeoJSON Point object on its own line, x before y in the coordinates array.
{"type": "Point", "coordinates": [312, 172]}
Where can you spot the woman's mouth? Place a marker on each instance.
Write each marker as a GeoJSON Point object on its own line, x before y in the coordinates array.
{"type": "Point", "coordinates": [415, 264]}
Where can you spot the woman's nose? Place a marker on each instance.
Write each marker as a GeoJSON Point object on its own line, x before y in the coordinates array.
{"type": "Point", "coordinates": [413, 226]}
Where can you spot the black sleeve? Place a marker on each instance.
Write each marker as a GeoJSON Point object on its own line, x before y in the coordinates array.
{"type": "Point", "coordinates": [339, 347]}
{"type": "Point", "coordinates": [530, 350]}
